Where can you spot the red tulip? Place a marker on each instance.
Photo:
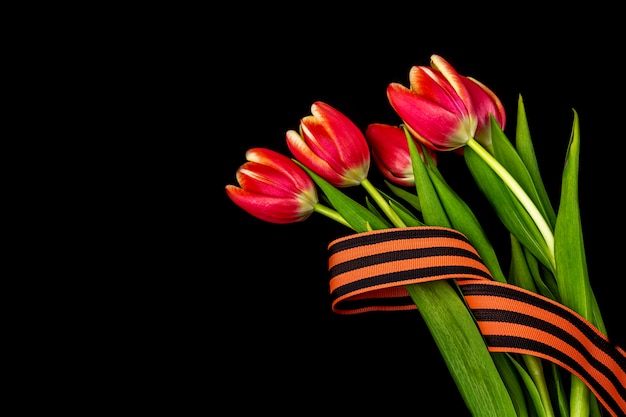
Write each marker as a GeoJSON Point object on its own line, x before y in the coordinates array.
{"type": "Point", "coordinates": [331, 145]}
{"type": "Point", "coordinates": [273, 188]}
{"type": "Point", "coordinates": [443, 109]}
{"type": "Point", "coordinates": [390, 152]}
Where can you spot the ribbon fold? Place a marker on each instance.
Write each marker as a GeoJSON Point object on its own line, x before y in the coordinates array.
{"type": "Point", "coordinates": [369, 272]}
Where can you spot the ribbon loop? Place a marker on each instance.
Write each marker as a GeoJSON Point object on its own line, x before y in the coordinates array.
{"type": "Point", "coordinates": [369, 272]}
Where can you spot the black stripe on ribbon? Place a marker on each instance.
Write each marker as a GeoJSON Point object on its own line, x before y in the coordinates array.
{"type": "Point", "coordinates": [402, 277]}
{"type": "Point", "coordinates": [475, 282]}
{"type": "Point", "coordinates": [400, 255]}
{"type": "Point", "coordinates": [534, 345]}
{"type": "Point", "coordinates": [515, 342]}
{"type": "Point", "coordinates": [380, 303]}
{"type": "Point", "coordinates": [510, 292]}
{"type": "Point", "coordinates": [364, 239]}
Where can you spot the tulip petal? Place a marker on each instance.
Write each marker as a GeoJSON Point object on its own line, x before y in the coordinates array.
{"type": "Point", "coordinates": [298, 178]}
{"type": "Point", "coordinates": [268, 208]}
{"type": "Point", "coordinates": [317, 137]}
{"type": "Point", "coordinates": [272, 187]}
{"type": "Point", "coordinates": [431, 124]}
{"type": "Point", "coordinates": [351, 144]}
{"type": "Point", "coordinates": [434, 87]}
{"type": "Point", "coordinates": [390, 152]}
{"type": "Point", "coordinates": [455, 80]}
{"type": "Point", "coordinates": [265, 180]}
{"type": "Point", "coordinates": [489, 104]}
{"type": "Point", "coordinates": [303, 153]}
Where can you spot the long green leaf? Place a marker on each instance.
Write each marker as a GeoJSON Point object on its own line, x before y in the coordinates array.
{"type": "Point", "coordinates": [526, 151]}
{"type": "Point", "coordinates": [519, 271]}
{"type": "Point", "coordinates": [450, 322]}
{"type": "Point", "coordinates": [562, 398]}
{"type": "Point", "coordinates": [463, 349]}
{"type": "Point", "coordinates": [510, 375]}
{"type": "Point", "coordinates": [432, 209]}
{"type": "Point", "coordinates": [463, 219]}
{"type": "Point", "coordinates": [374, 209]}
{"type": "Point", "coordinates": [531, 388]}
{"type": "Point", "coordinates": [406, 216]}
{"type": "Point", "coordinates": [404, 213]}
{"type": "Point", "coordinates": [407, 196]}
{"type": "Point", "coordinates": [542, 277]}
{"type": "Point", "coordinates": [507, 207]}
{"type": "Point", "coordinates": [505, 153]}
{"type": "Point", "coordinates": [571, 272]}
{"type": "Point", "coordinates": [355, 214]}
{"type": "Point", "coordinates": [568, 242]}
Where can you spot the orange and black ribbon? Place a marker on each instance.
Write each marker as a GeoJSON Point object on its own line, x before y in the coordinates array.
{"type": "Point", "coordinates": [369, 272]}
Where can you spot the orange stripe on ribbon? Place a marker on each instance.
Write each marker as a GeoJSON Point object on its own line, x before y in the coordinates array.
{"type": "Point", "coordinates": [369, 272]}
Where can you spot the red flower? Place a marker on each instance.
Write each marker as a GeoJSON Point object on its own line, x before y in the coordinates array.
{"type": "Point", "coordinates": [443, 109]}
{"type": "Point", "coordinates": [273, 188]}
{"type": "Point", "coordinates": [390, 152]}
{"type": "Point", "coordinates": [331, 145]}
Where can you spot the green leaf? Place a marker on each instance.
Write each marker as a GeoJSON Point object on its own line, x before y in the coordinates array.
{"type": "Point", "coordinates": [562, 398]}
{"type": "Point", "coordinates": [407, 217]}
{"type": "Point", "coordinates": [534, 366]}
{"type": "Point", "coordinates": [355, 214]}
{"type": "Point", "coordinates": [542, 277]}
{"type": "Point", "coordinates": [432, 209]}
{"type": "Point", "coordinates": [596, 410]}
{"type": "Point", "coordinates": [519, 271]}
{"type": "Point", "coordinates": [531, 389]}
{"type": "Point", "coordinates": [405, 214]}
{"type": "Point", "coordinates": [505, 153]}
{"type": "Point", "coordinates": [463, 349]}
{"type": "Point", "coordinates": [450, 322]}
{"type": "Point", "coordinates": [526, 151]}
{"type": "Point", "coordinates": [569, 249]}
{"type": "Point", "coordinates": [463, 219]}
{"type": "Point", "coordinates": [572, 270]}
{"type": "Point", "coordinates": [509, 369]}
{"type": "Point", "coordinates": [507, 207]}
{"type": "Point", "coordinates": [374, 209]}
{"type": "Point", "coordinates": [596, 315]}
{"type": "Point", "coordinates": [407, 196]}
{"type": "Point", "coordinates": [571, 264]}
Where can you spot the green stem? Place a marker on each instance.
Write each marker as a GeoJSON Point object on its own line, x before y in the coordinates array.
{"type": "Point", "coordinates": [521, 195]}
{"type": "Point", "coordinates": [331, 214]}
{"type": "Point", "coordinates": [382, 203]}
{"type": "Point", "coordinates": [579, 398]}
{"type": "Point", "coordinates": [535, 369]}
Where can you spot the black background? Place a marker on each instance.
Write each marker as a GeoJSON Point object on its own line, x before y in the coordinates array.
{"type": "Point", "coordinates": [154, 291]}
{"type": "Point", "coordinates": [280, 346]}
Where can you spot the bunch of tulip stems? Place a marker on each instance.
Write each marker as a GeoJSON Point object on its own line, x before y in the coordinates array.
{"type": "Point", "coordinates": [444, 111]}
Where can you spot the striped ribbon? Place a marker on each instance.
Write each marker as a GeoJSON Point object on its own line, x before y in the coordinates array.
{"type": "Point", "coordinates": [369, 271]}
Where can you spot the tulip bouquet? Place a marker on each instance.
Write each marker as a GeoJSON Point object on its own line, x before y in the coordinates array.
{"type": "Point", "coordinates": [528, 340]}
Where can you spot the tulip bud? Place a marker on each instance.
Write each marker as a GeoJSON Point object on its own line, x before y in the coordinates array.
{"type": "Point", "coordinates": [331, 145]}
{"type": "Point", "coordinates": [443, 109]}
{"type": "Point", "coordinates": [390, 152]}
{"type": "Point", "coordinates": [273, 188]}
